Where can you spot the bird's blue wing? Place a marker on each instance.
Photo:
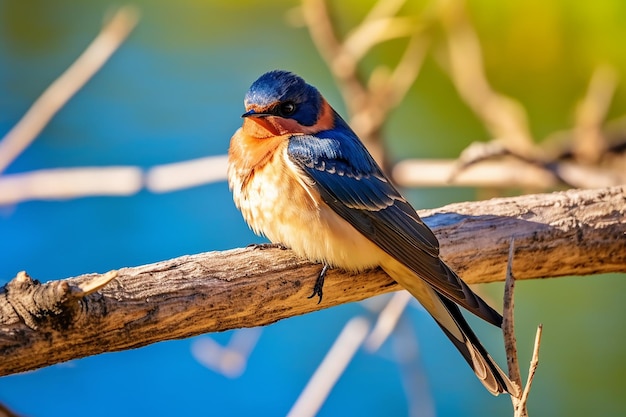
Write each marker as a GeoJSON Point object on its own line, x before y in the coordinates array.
{"type": "Point", "coordinates": [352, 184]}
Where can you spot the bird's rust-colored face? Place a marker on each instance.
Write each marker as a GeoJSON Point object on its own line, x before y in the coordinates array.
{"type": "Point", "coordinates": [264, 122]}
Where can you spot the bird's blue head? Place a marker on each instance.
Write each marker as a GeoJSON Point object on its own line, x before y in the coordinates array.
{"type": "Point", "coordinates": [283, 94]}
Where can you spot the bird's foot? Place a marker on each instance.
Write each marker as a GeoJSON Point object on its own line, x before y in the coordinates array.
{"type": "Point", "coordinates": [319, 283]}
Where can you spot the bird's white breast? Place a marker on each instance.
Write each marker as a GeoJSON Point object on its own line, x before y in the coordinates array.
{"type": "Point", "coordinates": [280, 202]}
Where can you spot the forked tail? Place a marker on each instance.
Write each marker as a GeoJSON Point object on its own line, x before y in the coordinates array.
{"type": "Point", "coordinates": [485, 368]}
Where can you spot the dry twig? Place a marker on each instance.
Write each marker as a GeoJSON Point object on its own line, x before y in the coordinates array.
{"type": "Point", "coordinates": [504, 117]}
{"type": "Point", "coordinates": [368, 103]}
{"type": "Point", "coordinates": [65, 183]}
{"type": "Point", "coordinates": [519, 399]}
{"type": "Point", "coordinates": [387, 320]}
{"type": "Point", "coordinates": [510, 342]}
{"type": "Point", "coordinates": [64, 87]}
{"type": "Point", "coordinates": [589, 142]}
{"type": "Point", "coordinates": [332, 367]}
{"type": "Point", "coordinates": [582, 157]}
{"type": "Point", "coordinates": [230, 360]}
{"type": "Point", "coordinates": [476, 166]}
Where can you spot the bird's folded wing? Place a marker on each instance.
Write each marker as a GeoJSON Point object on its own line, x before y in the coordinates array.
{"type": "Point", "coordinates": [361, 194]}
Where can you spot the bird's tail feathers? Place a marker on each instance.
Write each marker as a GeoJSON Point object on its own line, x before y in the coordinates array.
{"type": "Point", "coordinates": [485, 368]}
{"type": "Point", "coordinates": [468, 299]}
{"type": "Point", "coordinates": [448, 316]}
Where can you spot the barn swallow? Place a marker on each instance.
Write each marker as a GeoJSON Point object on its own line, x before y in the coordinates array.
{"type": "Point", "coordinates": [302, 178]}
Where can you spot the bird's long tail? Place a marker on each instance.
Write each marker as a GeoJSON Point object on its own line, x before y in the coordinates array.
{"type": "Point", "coordinates": [485, 368]}
{"type": "Point", "coordinates": [448, 315]}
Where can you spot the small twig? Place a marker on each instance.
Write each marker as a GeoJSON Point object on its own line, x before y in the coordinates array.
{"type": "Point", "coordinates": [368, 34]}
{"type": "Point", "coordinates": [406, 352]}
{"type": "Point", "coordinates": [66, 183]}
{"type": "Point", "coordinates": [63, 88]}
{"type": "Point", "coordinates": [510, 342]}
{"type": "Point", "coordinates": [504, 117]}
{"type": "Point", "coordinates": [505, 173]}
{"type": "Point", "coordinates": [534, 362]}
{"type": "Point", "coordinates": [387, 320]}
{"type": "Point", "coordinates": [520, 398]}
{"type": "Point", "coordinates": [508, 328]}
{"type": "Point", "coordinates": [520, 408]}
{"type": "Point", "coordinates": [408, 69]}
{"type": "Point", "coordinates": [368, 103]}
{"type": "Point", "coordinates": [92, 285]}
{"type": "Point", "coordinates": [230, 360]}
{"type": "Point", "coordinates": [325, 377]}
{"type": "Point", "coordinates": [185, 174]}
{"type": "Point", "coordinates": [342, 65]}
{"type": "Point", "coordinates": [589, 142]}
{"type": "Point", "coordinates": [384, 10]}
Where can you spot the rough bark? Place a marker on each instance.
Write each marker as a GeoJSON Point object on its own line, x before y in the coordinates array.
{"type": "Point", "coordinates": [577, 232]}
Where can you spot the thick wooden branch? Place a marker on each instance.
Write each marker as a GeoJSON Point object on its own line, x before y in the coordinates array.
{"type": "Point", "coordinates": [577, 232]}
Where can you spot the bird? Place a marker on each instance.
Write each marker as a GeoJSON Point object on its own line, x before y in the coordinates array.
{"type": "Point", "coordinates": [302, 178]}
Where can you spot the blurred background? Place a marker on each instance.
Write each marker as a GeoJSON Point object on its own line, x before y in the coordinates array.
{"type": "Point", "coordinates": [174, 91]}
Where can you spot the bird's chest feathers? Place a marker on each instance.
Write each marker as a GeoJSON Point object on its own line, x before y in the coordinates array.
{"type": "Point", "coordinates": [266, 186]}
{"type": "Point", "coordinates": [282, 203]}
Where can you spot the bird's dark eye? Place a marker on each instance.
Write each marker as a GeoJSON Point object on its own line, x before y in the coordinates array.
{"type": "Point", "coordinates": [287, 108]}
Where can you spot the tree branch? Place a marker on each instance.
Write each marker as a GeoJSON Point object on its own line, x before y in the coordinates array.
{"type": "Point", "coordinates": [504, 172]}
{"type": "Point", "coordinates": [577, 232]}
{"type": "Point", "coordinates": [63, 88]}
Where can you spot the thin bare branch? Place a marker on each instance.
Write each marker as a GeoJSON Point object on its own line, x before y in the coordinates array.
{"type": "Point", "coordinates": [508, 322]}
{"type": "Point", "coordinates": [384, 9]}
{"type": "Point", "coordinates": [230, 360]}
{"type": "Point", "coordinates": [534, 362]}
{"type": "Point", "coordinates": [504, 117]}
{"type": "Point", "coordinates": [589, 143]}
{"type": "Point", "coordinates": [65, 183]}
{"type": "Point", "coordinates": [180, 175]}
{"type": "Point", "coordinates": [72, 80]}
{"type": "Point", "coordinates": [327, 374]}
{"type": "Point", "coordinates": [387, 320]}
{"type": "Point", "coordinates": [369, 34]}
{"type": "Point", "coordinates": [342, 65]}
{"type": "Point", "coordinates": [519, 399]}
{"type": "Point", "coordinates": [506, 173]}
{"type": "Point", "coordinates": [520, 403]}
{"type": "Point", "coordinates": [407, 70]}
{"type": "Point", "coordinates": [368, 104]}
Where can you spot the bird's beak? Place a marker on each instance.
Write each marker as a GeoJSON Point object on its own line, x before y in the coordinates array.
{"type": "Point", "coordinates": [253, 113]}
